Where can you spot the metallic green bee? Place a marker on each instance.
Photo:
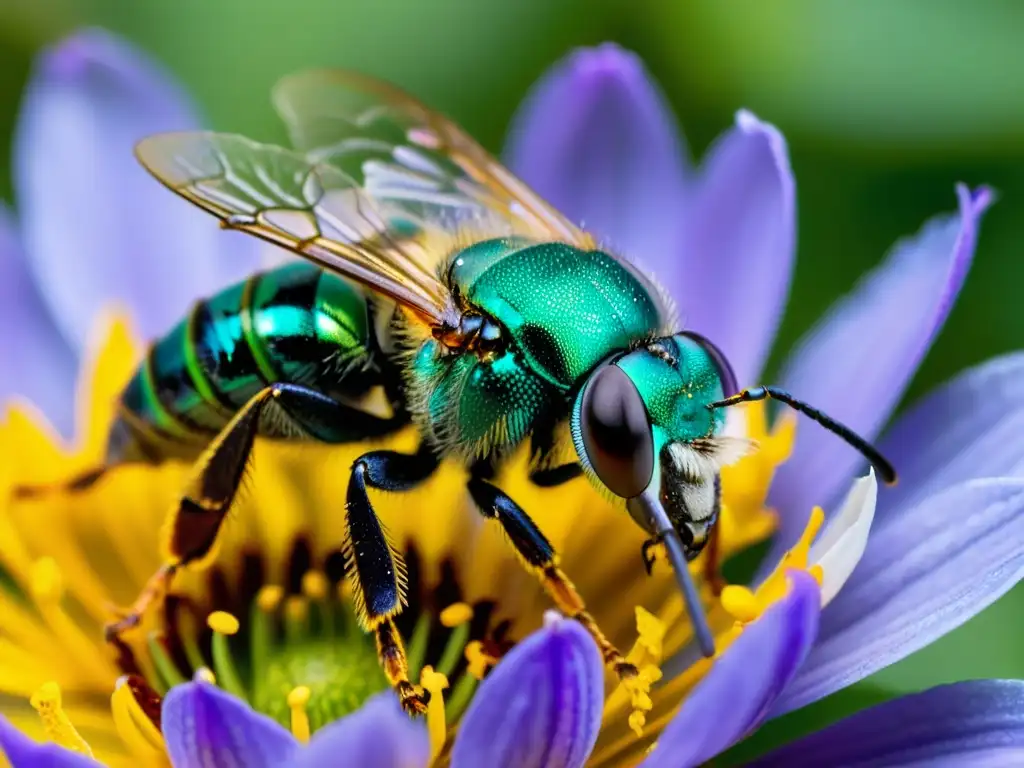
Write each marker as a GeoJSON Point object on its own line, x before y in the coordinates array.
{"type": "Point", "coordinates": [482, 315]}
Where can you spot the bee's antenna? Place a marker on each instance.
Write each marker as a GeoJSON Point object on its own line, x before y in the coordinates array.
{"type": "Point", "coordinates": [662, 527]}
{"type": "Point", "coordinates": [882, 466]}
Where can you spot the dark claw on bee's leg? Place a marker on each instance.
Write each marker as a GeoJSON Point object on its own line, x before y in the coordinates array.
{"type": "Point", "coordinates": [647, 553]}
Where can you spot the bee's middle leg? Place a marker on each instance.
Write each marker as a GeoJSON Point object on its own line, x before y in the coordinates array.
{"type": "Point", "coordinates": [375, 568]}
{"type": "Point", "coordinates": [538, 553]}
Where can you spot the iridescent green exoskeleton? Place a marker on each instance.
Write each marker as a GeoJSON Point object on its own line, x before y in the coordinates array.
{"type": "Point", "coordinates": [438, 290]}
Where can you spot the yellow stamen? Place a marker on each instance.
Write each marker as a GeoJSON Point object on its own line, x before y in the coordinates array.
{"type": "Point", "coordinates": [741, 603]}
{"type": "Point", "coordinates": [296, 619]}
{"type": "Point", "coordinates": [456, 614]}
{"type": "Point", "coordinates": [166, 669]}
{"type": "Point", "coordinates": [269, 597]}
{"type": "Point", "coordinates": [47, 702]}
{"type": "Point", "coordinates": [139, 718]}
{"type": "Point", "coordinates": [646, 656]}
{"type": "Point", "coordinates": [204, 675]}
{"type": "Point", "coordinates": [435, 683]}
{"type": "Point", "coordinates": [479, 661]}
{"type": "Point", "coordinates": [297, 701]}
{"type": "Point", "coordinates": [314, 585]}
{"type": "Point", "coordinates": [224, 625]}
{"type": "Point", "coordinates": [416, 649]}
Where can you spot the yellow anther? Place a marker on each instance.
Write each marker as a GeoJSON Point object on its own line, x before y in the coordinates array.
{"type": "Point", "coordinates": [650, 632]}
{"type": "Point", "coordinates": [740, 603]}
{"type": "Point", "coordinates": [817, 572]}
{"type": "Point", "coordinates": [45, 580]}
{"type": "Point", "coordinates": [269, 598]}
{"type": "Point", "coordinates": [435, 683]}
{"type": "Point", "coordinates": [456, 614]}
{"type": "Point", "coordinates": [47, 702]}
{"type": "Point", "coordinates": [637, 720]}
{"type": "Point", "coordinates": [297, 701]}
{"type": "Point", "coordinates": [204, 675]}
{"type": "Point", "coordinates": [478, 660]}
{"type": "Point", "coordinates": [222, 622]}
{"type": "Point", "coordinates": [315, 585]}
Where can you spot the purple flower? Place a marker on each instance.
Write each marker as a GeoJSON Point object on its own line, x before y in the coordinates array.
{"type": "Point", "coordinates": [596, 138]}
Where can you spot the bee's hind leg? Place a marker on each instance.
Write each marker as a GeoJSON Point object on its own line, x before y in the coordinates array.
{"type": "Point", "coordinates": [537, 551]}
{"type": "Point", "coordinates": [198, 516]}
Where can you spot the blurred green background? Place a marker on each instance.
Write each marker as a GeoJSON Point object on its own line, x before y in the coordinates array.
{"type": "Point", "coordinates": [885, 104]}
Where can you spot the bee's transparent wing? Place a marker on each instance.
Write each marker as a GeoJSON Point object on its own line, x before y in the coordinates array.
{"type": "Point", "coordinates": [312, 208]}
{"type": "Point", "coordinates": [399, 150]}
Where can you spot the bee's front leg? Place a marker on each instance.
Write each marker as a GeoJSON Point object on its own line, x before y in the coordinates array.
{"type": "Point", "coordinates": [537, 551]}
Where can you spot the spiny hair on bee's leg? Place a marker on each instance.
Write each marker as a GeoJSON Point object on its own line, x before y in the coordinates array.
{"type": "Point", "coordinates": [374, 566]}
{"type": "Point", "coordinates": [539, 556]}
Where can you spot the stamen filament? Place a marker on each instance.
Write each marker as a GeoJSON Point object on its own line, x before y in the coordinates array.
{"type": "Point", "coordinates": [296, 619]}
{"type": "Point", "coordinates": [416, 651]}
{"type": "Point", "coordinates": [458, 617]}
{"type": "Point", "coordinates": [460, 697]}
{"type": "Point", "coordinates": [316, 588]}
{"type": "Point", "coordinates": [224, 625]}
{"type": "Point", "coordinates": [297, 701]}
{"type": "Point", "coordinates": [47, 702]}
{"type": "Point", "coordinates": [189, 642]}
{"type": "Point", "coordinates": [435, 683]}
{"type": "Point", "coordinates": [167, 670]}
{"type": "Point", "coordinates": [260, 624]}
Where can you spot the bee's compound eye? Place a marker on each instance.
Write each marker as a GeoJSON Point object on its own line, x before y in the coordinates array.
{"type": "Point", "coordinates": [616, 432]}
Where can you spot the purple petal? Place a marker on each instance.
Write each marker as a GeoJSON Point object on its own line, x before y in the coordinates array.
{"type": "Point", "coordinates": [734, 269]}
{"type": "Point", "coordinates": [978, 722]}
{"type": "Point", "coordinates": [859, 359]}
{"type": "Point", "coordinates": [973, 426]}
{"type": "Point", "coordinates": [203, 725]}
{"type": "Point", "coordinates": [596, 138]}
{"type": "Point", "coordinates": [22, 752]}
{"type": "Point", "coordinates": [736, 694]}
{"type": "Point", "coordinates": [97, 228]}
{"type": "Point", "coordinates": [927, 571]}
{"type": "Point", "coordinates": [540, 707]}
{"type": "Point", "coordinates": [35, 360]}
{"type": "Point", "coordinates": [379, 735]}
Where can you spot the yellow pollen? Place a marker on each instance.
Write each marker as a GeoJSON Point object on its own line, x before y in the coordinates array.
{"type": "Point", "coordinates": [314, 585]}
{"type": "Point", "coordinates": [456, 614]}
{"type": "Point", "coordinates": [269, 598]}
{"type": "Point", "coordinates": [479, 661]}
{"type": "Point", "coordinates": [45, 580]}
{"type": "Point", "coordinates": [297, 701]}
{"type": "Point", "coordinates": [435, 683]}
{"type": "Point", "coordinates": [47, 702]}
{"type": "Point", "coordinates": [645, 655]}
{"type": "Point", "coordinates": [204, 675]}
{"type": "Point", "coordinates": [740, 603]}
{"type": "Point", "coordinates": [222, 622]}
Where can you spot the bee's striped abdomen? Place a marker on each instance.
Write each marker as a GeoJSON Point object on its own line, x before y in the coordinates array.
{"type": "Point", "coordinates": [295, 324]}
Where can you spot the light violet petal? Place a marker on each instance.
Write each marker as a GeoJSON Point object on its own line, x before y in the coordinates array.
{"type": "Point", "coordinates": [203, 725]}
{"type": "Point", "coordinates": [379, 734]}
{"type": "Point", "coordinates": [857, 362]}
{"type": "Point", "coordinates": [972, 723]}
{"type": "Point", "coordinates": [734, 697]}
{"type": "Point", "coordinates": [540, 707]}
{"type": "Point", "coordinates": [841, 545]}
{"type": "Point", "coordinates": [597, 140]}
{"type": "Point", "coordinates": [22, 752]}
{"type": "Point", "coordinates": [35, 360]}
{"type": "Point", "coordinates": [97, 228]}
{"type": "Point", "coordinates": [739, 243]}
{"type": "Point", "coordinates": [932, 567]}
{"type": "Point", "coordinates": [972, 426]}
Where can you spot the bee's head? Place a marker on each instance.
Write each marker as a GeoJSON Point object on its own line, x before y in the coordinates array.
{"type": "Point", "coordinates": [641, 422]}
